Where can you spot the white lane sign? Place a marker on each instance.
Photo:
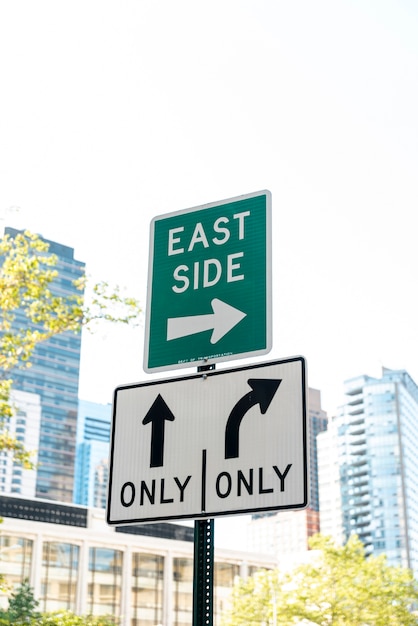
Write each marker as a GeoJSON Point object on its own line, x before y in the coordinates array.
{"type": "Point", "coordinates": [215, 443]}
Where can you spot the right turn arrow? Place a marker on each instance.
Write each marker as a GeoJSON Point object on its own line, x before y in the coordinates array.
{"type": "Point", "coordinates": [222, 319]}
{"type": "Point", "coordinates": [263, 390]}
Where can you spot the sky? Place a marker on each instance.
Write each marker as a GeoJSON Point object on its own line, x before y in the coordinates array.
{"type": "Point", "coordinates": [114, 112]}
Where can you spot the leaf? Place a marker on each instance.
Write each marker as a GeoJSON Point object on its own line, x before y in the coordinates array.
{"type": "Point", "coordinates": [339, 586]}
{"type": "Point", "coordinates": [33, 310]}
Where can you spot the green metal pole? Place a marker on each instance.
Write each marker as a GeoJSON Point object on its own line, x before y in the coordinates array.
{"type": "Point", "coordinates": [203, 566]}
{"type": "Point", "coordinates": [203, 563]}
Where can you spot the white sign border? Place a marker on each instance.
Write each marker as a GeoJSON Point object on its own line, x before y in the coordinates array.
{"type": "Point", "coordinates": [269, 333]}
{"type": "Point", "coordinates": [223, 513]}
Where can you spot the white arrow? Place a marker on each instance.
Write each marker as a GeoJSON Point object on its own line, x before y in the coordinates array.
{"type": "Point", "coordinates": [222, 320]}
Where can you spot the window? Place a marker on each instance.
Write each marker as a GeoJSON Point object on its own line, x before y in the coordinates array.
{"type": "Point", "coordinates": [59, 576]}
{"type": "Point", "coordinates": [15, 560]}
{"type": "Point", "coordinates": [104, 581]}
{"type": "Point", "coordinates": [147, 589]}
{"type": "Point", "coordinates": [183, 591]}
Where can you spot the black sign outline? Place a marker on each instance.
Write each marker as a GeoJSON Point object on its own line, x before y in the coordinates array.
{"type": "Point", "coordinates": [204, 514]}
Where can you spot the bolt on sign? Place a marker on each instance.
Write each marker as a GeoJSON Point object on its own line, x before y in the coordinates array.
{"type": "Point", "coordinates": [209, 284]}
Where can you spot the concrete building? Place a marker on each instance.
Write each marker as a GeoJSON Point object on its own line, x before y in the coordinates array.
{"type": "Point", "coordinates": [143, 575]}
{"type": "Point", "coordinates": [368, 473]}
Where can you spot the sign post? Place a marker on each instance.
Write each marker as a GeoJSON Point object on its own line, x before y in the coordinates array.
{"type": "Point", "coordinates": [203, 563]}
{"type": "Point", "coordinates": [209, 284]}
{"type": "Point", "coordinates": [209, 300]}
{"type": "Point", "coordinates": [214, 443]}
{"type": "Point", "coordinates": [219, 442]}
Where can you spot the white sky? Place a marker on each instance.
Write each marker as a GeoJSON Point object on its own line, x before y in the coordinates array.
{"type": "Point", "coordinates": [112, 112]}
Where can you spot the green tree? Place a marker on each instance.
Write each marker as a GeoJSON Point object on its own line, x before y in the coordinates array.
{"type": "Point", "coordinates": [255, 600]}
{"type": "Point", "coordinates": [67, 618]}
{"type": "Point", "coordinates": [27, 276]}
{"type": "Point", "coordinates": [339, 587]}
{"type": "Point", "coordinates": [23, 609]}
{"type": "Point", "coordinates": [22, 605]}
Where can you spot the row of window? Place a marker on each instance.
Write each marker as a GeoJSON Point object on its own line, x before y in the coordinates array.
{"type": "Point", "coordinates": [61, 576]}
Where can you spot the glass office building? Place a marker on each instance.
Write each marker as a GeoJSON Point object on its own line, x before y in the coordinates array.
{"type": "Point", "coordinates": [54, 378]}
{"type": "Point", "coordinates": [368, 474]}
{"type": "Point", "coordinates": [92, 458]}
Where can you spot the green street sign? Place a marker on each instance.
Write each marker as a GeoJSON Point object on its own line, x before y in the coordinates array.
{"type": "Point", "coordinates": [209, 284]}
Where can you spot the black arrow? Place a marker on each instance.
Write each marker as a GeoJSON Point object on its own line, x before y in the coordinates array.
{"type": "Point", "coordinates": [157, 415]}
{"type": "Point", "coordinates": [263, 390]}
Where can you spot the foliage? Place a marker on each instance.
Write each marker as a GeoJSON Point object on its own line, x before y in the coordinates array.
{"type": "Point", "coordinates": [29, 294]}
{"type": "Point", "coordinates": [340, 587]}
{"type": "Point", "coordinates": [22, 605]}
{"type": "Point", "coordinates": [255, 600]}
{"type": "Point", "coordinates": [7, 442]}
{"type": "Point", "coordinates": [67, 618]}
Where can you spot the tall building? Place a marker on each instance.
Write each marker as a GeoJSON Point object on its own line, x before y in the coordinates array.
{"type": "Point", "coordinates": [92, 460]}
{"type": "Point", "coordinates": [286, 533]}
{"type": "Point", "coordinates": [24, 426]}
{"type": "Point", "coordinates": [54, 377]}
{"type": "Point", "coordinates": [369, 485]}
{"type": "Point", "coordinates": [329, 482]}
{"type": "Point", "coordinates": [318, 422]}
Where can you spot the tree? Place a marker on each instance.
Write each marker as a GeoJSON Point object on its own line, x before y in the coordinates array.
{"type": "Point", "coordinates": [23, 609]}
{"type": "Point", "coordinates": [67, 618]}
{"type": "Point", "coordinates": [22, 605]}
{"type": "Point", "coordinates": [339, 587]}
{"type": "Point", "coordinates": [255, 600]}
{"type": "Point", "coordinates": [27, 285]}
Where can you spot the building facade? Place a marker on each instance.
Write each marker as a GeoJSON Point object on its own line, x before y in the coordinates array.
{"type": "Point", "coordinates": [23, 425]}
{"type": "Point", "coordinates": [369, 486]}
{"type": "Point", "coordinates": [92, 457]}
{"type": "Point", "coordinates": [142, 575]}
{"type": "Point", "coordinates": [54, 377]}
{"type": "Point", "coordinates": [287, 533]}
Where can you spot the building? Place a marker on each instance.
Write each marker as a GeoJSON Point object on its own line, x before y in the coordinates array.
{"type": "Point", "coordinates": [24, 426]}
{"type": "Point", "coordinates": [92, 460]}
{"type": "Point", "coordinates": [286, 533]}
{"type": "Point", "coordinates": [369, 484]}
{"type": "Point", "coordinates": [54, 378]}
{"type": "Point", "coordinates": [318, 423]}
{"type": "Point", "coordinates": [329, 483]}
{"type": "Point", "coordinates": [143, 575]}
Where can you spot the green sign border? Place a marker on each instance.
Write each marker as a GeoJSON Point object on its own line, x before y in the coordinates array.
{"type": "Point", "coordinates": [252, 295]}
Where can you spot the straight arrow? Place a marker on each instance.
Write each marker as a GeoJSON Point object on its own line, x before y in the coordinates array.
{"type": "Point", "coordinates": [263, 390]}
{"type": "Point", "coordinates": [223, 319]}
{"type": "Point", "coordinates": [158, 414]}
